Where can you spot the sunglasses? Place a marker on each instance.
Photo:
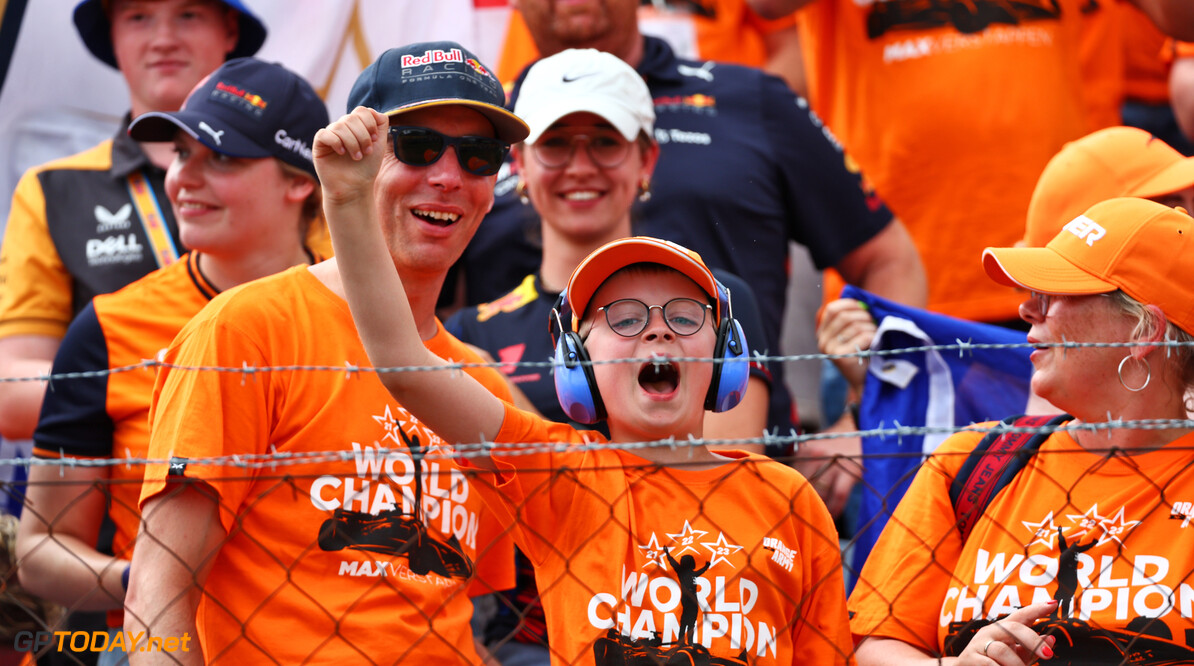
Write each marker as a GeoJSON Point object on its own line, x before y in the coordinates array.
{"type": "Point", "coordinates": [629, 316]}
{"type": "Point", "coordinates": [419, 146]}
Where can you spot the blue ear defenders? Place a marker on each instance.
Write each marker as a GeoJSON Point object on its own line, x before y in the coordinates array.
{"type": "Point", "coordinates": [731, 367]}
{"type": "Point", "coordinates": [576, 386]}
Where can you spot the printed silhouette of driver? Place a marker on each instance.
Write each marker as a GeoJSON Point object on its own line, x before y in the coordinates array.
{"type": "Point", "coordinates": [686, 575]}
{"type": "Point", "coordinates": [1067, 574]}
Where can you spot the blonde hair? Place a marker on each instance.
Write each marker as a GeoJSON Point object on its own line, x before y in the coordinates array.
{"type": "Point", "coordinates": [1182, 356]}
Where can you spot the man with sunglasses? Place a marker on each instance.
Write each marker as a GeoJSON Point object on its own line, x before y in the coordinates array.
{"type": "Point", "coordinates": [355, 549]}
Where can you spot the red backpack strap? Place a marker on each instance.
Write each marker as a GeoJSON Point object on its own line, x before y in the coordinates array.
{"type": "Point", "coordinates": [999, 456]}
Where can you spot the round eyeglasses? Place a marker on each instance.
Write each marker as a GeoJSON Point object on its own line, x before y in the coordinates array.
{"type": "Point", "coordinates": [629, 316]}
{"type": "Point", "coordinates": [605, 148]}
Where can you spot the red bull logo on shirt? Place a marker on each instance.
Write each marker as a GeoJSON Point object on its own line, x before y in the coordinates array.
{"type": "Point", "coordinates": [872, 198]}
{"type": "Point", "coordinates": [696, 102]}
{"type": "Point", "coordinates": [524, 294]}
{"type": "Point", "coordinates": [432, 57]}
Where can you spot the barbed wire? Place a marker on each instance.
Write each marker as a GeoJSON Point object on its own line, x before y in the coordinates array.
{"type": "Point", "coordinates": [480, 449]}
{"type": "Point", "coordinates": [293, 465]}
{"type": "Point", "coordinates": [961, 346]}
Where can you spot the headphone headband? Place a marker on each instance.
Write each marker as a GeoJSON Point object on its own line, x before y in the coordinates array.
{"type": "Point", "coordinates": [561, 311]}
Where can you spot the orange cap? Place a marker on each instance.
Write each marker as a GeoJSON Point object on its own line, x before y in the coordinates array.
{"type": "Point", "coordinates": [1112, 162]}
{"type": "Point", "coordinates": [615, 255]}
{"type": "Point", "coordinates": [1140, 246]}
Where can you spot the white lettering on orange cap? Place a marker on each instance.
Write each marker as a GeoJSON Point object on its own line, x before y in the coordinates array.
{"type": "Point", "coordinates": [1085, 228]}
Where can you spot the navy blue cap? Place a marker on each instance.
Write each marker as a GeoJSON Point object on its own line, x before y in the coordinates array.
{"type": "Point", "coordinates": [246, 108]}
{"type": "Point", "coordinates": [428, 74]}
{"type": "Point", "coordinates": [96, 30]}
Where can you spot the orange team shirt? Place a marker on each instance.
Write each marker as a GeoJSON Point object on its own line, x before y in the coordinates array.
{"type": "Point", "coordinates": [761, 578]}
{"type": "Point", "coordinates": [730, 31]}
{"type": "Point", "coordinates": [1110, 536]}
{"type": "Point", "coordinates": [1103, 53]}
{"type": "Point", "coordinates": [35, 285]}
{"type": "Point", "coordinates": [952, 127]}
{"type": "Point", "coordinates": [327, 558]}
{"type": "Point", "coordinates": [1146, 63]}
{"type": "Point", "coordinates": [136, 322]}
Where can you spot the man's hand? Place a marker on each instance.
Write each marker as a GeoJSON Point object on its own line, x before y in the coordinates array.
{"type": "Point", "coordinates": [348, 154]}
{"type": "Point", "coordinates": [847, 327]}
{"type": "Point", "coordinates": [832, 465]}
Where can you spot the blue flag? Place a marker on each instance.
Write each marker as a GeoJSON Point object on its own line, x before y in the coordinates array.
{"type": "Point", "coordinates": [939, 388]}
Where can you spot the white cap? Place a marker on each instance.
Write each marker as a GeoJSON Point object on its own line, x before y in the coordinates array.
{"type": "Point", "coordinates": [585, 80]}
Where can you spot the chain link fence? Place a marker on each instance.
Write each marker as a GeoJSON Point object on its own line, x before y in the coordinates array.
{"type": "Point", "coordinates": [708, 580]}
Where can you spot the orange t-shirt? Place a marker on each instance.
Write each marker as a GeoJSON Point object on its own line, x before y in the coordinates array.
{"type": "Point", "coordinates": [952, 126]}
{"type": "Point", "coordinates": [1110, 536]}
{"type": "Point", "coordinates": [327, 558]}
{"type": "Point", "coordinates": [644, 563]}
{"type": "Point", "coordinates": [1146, 67]}
{"type": "Point", "coordinates": [37, 289]}
{"type": "Point", "coordinates": [1103, 52]}
{"type": "Point", "coordinates": [124, 329]}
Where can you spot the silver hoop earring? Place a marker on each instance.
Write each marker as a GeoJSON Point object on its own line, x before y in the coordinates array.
{"type": "Point", "coordinates": [1147, 378]}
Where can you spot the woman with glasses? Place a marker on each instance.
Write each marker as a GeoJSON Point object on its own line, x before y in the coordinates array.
{"type": "Point", "coordinates": [244, 202]}
{"type": "Point", "coordinates": [603, 519]}
{"type": "Point", "coordinates": [590, 154]}
{"type": "Point", "coordinates": [1084, 556]}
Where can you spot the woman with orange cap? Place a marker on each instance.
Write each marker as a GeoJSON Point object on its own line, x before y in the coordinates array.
{"type": "Point", "coordinates": [1080, 557]}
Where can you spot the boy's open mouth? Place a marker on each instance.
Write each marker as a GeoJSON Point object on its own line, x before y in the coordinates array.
{"type": "Point", "coordinates": [659, 376]}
